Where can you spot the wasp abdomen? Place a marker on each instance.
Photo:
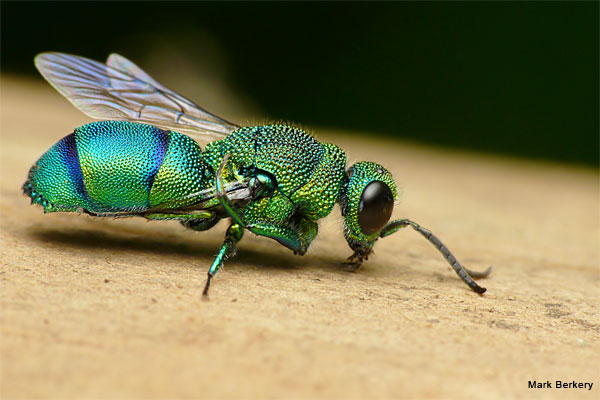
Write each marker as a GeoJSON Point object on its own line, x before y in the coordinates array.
{"type": "Point", "coordinates": [116, 166]}
{"type": "Point", "coordinates": [55, 180]}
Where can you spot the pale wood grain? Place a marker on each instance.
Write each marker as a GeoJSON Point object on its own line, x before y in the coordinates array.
{"type": "Point", "coordinates": [112, 308]}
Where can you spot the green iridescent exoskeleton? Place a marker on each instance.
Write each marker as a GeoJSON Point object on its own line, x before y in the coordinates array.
{"type": "Point", "coordinates": [275, 181]}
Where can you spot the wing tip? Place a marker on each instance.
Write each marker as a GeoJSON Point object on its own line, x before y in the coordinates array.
{"type": "Point", "coordinates": [43, 59]}
{"type": "Point", "coordinates": [114, 55]}
{"type": "Point", "coordinates": [46, 54]}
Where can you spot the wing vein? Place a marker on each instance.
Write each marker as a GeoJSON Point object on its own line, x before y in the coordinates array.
{"type": "Point", "coordinates": [121, 90]}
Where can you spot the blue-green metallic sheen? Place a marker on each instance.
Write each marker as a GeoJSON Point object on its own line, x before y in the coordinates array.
{"type": "Point", "coordinates": [117, 167]}
{"type": "Point", "coordinates": [127, 168]}
{"type": "Point", "coordinates": [276, 181]}
{"type": "Point", "coordinates": [285, 180]}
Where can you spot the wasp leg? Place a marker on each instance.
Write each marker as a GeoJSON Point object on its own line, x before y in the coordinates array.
{"type": "Point", "coordinates": [222, 194]}
{"type": "Point", "coordinates": [308, 230]}
{"type": "Point", "coordinates": [199, 221]}
{"type": "Point", "coordinates": [464, 274]}
{"type": "Point", "coordinates": [353, 263]}
{"type": "Point", "coordinates": [296, 241]}
{"type": "Point", "coordinates": [200, 224]}
{"type": "Point", "coordinates": [191, 216]}
{"type": "Point", "coordinates": [233, 235]}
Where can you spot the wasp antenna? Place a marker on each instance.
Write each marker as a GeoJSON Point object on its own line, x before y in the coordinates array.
{"type": "Point", "coordinates": [464, 274]}
{"type": "Point", "coordinates": [479, 274]}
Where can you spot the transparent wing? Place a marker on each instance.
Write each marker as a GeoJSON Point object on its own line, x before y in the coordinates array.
{"type": "Point", "coordinates": [236, 191]}
{"type": "Point", "coordinates": [120, 90]}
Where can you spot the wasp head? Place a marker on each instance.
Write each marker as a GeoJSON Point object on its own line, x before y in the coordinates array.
{"type": "Point", "coordinates": [367, 201]}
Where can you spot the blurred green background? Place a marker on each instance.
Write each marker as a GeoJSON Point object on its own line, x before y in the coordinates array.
{"type": "Point", "coordinates": [513, 78]}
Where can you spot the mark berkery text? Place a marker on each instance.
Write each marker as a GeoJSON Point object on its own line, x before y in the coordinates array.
{"type": "Point", "coordinates": [559, 385]}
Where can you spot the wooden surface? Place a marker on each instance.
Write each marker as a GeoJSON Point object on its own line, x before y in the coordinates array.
{"type": "Point", "coordinates": [112, 308]}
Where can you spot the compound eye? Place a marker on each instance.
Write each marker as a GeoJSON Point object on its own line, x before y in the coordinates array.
{"type": "Point", "coordinates": [375, 208]}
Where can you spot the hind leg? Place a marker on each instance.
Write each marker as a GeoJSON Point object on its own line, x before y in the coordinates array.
{"type": "Point", "coordinates": [202, 215]}
{"type": "Point", "coordinates": [198, 221]}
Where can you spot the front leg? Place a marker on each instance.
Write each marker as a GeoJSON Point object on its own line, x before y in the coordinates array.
{"type": "Point", "coordinates": [354, 262]}
{"type": "Point", "coordinates": [297, 239]}
{"type": "Point", "coordinates": [308, 230]}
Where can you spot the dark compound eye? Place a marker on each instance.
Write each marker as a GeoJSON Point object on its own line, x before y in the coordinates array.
{"type": "Point", "coordinates": [376, 206]}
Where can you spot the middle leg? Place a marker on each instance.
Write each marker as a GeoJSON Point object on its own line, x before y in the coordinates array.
{"type": "Point", "coordinates": [232, 237]}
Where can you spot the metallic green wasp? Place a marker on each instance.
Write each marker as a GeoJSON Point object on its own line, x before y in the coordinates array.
{"type": "Point", "coordinates": [275, 181]}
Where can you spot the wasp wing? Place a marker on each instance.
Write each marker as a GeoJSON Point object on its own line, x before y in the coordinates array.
{"type": "Point", "coordinates": [120, 63]}
{"type": "Point", "coordinates": [121, 90]}
{"type": "Point", "coordinates": [235, 191]}
{"type": "Point", "coordinates": [202, 200]}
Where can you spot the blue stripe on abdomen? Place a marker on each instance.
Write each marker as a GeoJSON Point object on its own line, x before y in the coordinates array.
{"type": "Point", "coordinates": [68, 150]}
{"type": "Point", "coordinates": [182, 175]}
{"type": "Point", "coordinates": [56, 180]}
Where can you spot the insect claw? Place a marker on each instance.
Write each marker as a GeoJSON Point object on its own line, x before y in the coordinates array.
{"type": "Point", "coordinates": [353, 262]}
{"type": "Point", "coordinates": [205, 291]}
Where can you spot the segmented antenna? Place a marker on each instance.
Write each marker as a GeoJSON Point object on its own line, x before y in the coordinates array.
{"type": "Point", "coordinates": [464, 274]}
